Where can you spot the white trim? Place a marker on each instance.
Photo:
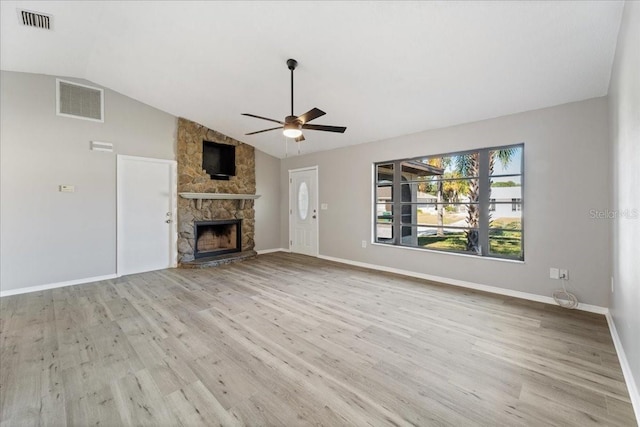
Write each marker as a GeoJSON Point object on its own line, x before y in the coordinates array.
{"type": "Point", "coordinates": [174, 207]}
{"type": "Point", "coordinates": [290, 214]}
{"type": "Point", "coordinates": [56, 285]}
{"type": "Point", "coordinates": [58, 113]}
{"type": "Point", "coordinates": [307, 168]}
{"type": "Point", "coordinates": [632, 386]}
{"type": "Point", "coordinates": [464, 284]}
{"type": "Point", "coordinates": [268, 251]}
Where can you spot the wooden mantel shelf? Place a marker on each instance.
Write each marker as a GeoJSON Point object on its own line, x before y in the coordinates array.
{"type": "Point", "coordinates": [219, 196]}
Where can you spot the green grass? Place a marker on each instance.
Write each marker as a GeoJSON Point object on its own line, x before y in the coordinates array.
{"type": "Point", "coordinates": [507, 223]}
{"type": "Point", "coordinates": [501, 242]}
{"type": "Point", "coordinates": [450, 241]}
{"type": "Point", "coordinates": [506, 242]}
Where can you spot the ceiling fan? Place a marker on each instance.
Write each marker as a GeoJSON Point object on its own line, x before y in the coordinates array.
{"type": "Point", "coordinates": [293, 125]}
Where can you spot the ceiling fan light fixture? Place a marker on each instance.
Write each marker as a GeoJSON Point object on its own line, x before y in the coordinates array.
{"type": "Point", "coordinates": [292, 130]}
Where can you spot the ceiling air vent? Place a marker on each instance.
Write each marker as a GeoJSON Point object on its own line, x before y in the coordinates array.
{"type": "Point", "coordinates": [35, 19]}
{"type": "Point", "coordinates": [79, 101]}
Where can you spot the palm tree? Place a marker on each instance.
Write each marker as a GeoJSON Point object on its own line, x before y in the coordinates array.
{"type": "Point", "coordinates": [468, 165]}
{"type": "Point", "coordinates": [442, 163]}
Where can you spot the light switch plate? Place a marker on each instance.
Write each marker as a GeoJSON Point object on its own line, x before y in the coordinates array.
{"type": "Point", "coordinates": [66, 188]}
{"type": "Point", "coordinates": [554, 273]}
{"type": "Point", "coordinates": [324, 206]}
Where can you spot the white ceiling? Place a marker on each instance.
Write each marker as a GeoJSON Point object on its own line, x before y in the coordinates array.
{"type": "Point", "coordinates": [382, 69]}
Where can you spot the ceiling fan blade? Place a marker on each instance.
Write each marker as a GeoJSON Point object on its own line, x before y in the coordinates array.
{"type": "Point", "coordinates": [263, 130]}
{"type": "Point", "coordinates": [339, 129]}
{"type": "Point", "coordinates": [312, 114]}
{"type": "Point", "coordinates": [300, 138]}
{"type": "Point", "coordinates": [263, 118]}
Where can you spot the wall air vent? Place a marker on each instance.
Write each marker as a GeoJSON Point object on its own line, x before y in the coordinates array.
{"type": "Point", "coordinates": [35, 19]}
{"type": "Point", "coordinates": [79, 101]}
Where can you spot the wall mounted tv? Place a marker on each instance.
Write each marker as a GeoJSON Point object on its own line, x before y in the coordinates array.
{"type": "Point", "coordinates": [218, 160]}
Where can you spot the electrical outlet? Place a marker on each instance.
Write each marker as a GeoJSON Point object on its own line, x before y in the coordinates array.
{"type": "Point", "coordinates": [554, 273]}
{"type": "Point", "coordinates": [564, 274]}
{"type": "Point", "coordinates": [364, 243]}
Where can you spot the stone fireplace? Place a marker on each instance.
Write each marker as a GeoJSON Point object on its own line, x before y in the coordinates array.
{"type": "Point", "coordinates": [235, 212]}
{"type": "Point", "coordinates": [217, 237]}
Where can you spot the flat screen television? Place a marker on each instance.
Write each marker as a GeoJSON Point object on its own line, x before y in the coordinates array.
{"type": "Point", "coordinates": [219, 160]}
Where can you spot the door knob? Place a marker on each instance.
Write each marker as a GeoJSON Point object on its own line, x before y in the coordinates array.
{"type": "Point", "coordinates": [168, 221]}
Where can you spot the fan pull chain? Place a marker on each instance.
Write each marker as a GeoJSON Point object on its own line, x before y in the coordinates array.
{"type": "Point", "coordinates": [286, 147]}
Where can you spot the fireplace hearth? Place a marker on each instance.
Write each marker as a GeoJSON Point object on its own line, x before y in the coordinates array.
{"type": "Point", "coordinates": [217, 237]}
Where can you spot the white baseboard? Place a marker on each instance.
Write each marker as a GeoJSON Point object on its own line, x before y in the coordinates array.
{"type": "Point", "coordinates": [465, 284]}
{"type": "Point", "coordinates": [55, 285]}
{"type": "Point", "coordinates": [268, 251]}
{"type": "Point", "coordinates": [632, 386]}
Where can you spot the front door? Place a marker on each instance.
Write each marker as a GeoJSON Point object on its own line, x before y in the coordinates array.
{"type": "Point", "coordinates": [303, 211]}
{"type": "Point", "coordinates": [146, 208]}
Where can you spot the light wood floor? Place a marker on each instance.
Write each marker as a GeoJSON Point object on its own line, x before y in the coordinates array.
{"type": "Point", "coordinates": [291, 340]}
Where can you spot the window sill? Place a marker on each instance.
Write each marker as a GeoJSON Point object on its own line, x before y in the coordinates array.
{"type": "Point", "coordinates": [514, 261]}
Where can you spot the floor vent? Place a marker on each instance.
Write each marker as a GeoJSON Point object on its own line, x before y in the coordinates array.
{"type": "Point", "coordinates": [79, 101]}
{"type": "Point", "coordinates": [35, 19]}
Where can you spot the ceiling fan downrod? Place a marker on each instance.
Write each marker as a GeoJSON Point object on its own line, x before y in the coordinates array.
{"type": "Point", "coordinates": [292, 64]}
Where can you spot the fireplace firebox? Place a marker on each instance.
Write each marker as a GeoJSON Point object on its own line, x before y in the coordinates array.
{"type": "Point", "coordinates": [217, 237]}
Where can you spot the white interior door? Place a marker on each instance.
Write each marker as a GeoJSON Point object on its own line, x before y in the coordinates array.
{"type": "Point", "coordinates": [146, 211]}
{"type": "Point", "coordinates": [303, 211]}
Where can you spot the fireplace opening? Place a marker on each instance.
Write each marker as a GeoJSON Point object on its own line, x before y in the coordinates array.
{"type": "Point", "coordinates": [217, 237]}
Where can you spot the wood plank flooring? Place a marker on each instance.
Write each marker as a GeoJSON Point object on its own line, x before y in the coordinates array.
{"type": "Point", "coordinates": [289, 340]}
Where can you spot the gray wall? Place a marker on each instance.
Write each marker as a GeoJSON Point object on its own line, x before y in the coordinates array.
{"type": "Point", "coordinates": [48, 236]}
{"type": "Point", "coordinates": [566, 172]}
{"type": "Point", "coordinates": [268, 205]}
{"type": "Point", "coordinates": [624, 105]}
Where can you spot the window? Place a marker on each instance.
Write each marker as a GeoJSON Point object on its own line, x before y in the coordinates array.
{"type": "Point", "coordinates": [516, 204]}
{"type": "Point", "coordinates": [467, 202]}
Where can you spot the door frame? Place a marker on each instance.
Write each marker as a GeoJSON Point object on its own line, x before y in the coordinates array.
{"type": "Point", "coordinates": [120, 208]}
{"type": "Point", "coordinates": [317, 194]}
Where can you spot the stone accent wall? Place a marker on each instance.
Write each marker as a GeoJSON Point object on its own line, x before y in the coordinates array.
{"type": "Point", "coordinates": [192, 179]}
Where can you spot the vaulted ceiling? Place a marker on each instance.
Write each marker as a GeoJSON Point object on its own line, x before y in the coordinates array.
{"type": "Point", "coordinates": [382, 69]}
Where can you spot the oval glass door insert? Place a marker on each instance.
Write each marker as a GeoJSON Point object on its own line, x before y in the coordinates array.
{"type": "Point", "coordinates": [303, 201]}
